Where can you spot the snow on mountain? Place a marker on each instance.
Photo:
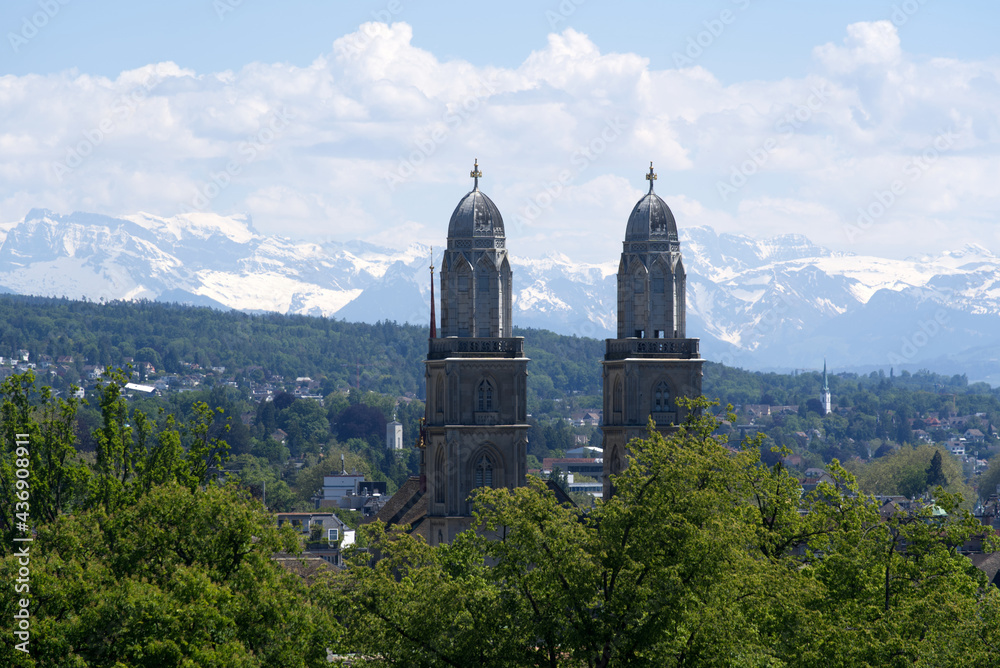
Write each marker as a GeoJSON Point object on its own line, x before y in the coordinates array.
{"type": "Point", "coordinates": [781, 302]}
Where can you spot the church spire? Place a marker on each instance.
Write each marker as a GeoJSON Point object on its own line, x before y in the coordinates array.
{"type": "Point", "coordinates": [433, 317]}
{"type": "Point", "coordinates": [651, 176]}
{"type": "Point", "coordinates": [476, 174]}
{"type": "Point", "coordinates": [826, 385]}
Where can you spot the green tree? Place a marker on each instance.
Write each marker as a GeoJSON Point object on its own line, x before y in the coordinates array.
{"type": "Point", "coordinates": [702, 557]}
{"type": "Point", "coordinates": [905, 472]}
{"type": "Point", "coordinates": [205, 454]}
{"type": "Point", "coordinates": [179, 578]}
{"type": "Point", "coordinates": [989, 480]}
{"type": "Point", "coordinates": [37, 432]}
{"type": "Point", "coordinates": [935, 472]}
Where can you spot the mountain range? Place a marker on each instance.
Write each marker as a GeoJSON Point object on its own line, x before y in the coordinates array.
{"type": "Point", "coordinates": [781, 303]}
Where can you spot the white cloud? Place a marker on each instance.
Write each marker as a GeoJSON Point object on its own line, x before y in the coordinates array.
{"type": "Point", "coordinates": [373, 140]}
{"type": "Point", "coordinates": [874, 44]}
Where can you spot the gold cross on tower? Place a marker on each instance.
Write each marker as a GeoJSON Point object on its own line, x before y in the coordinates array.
{"type": "Point", "coordinates": [651, 176]}
{"type": "Point", "coordinates": [476, 174]}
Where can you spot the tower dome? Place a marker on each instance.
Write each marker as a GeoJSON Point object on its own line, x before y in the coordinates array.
{"type": "Point", "coordinates": [475, 271]}
{"type": "Point", "coordinates": [476, 215]}
{"type": "Point", "coordinates": [651, 219]}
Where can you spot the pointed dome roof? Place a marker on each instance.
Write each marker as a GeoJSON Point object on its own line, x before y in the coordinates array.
{"type": "Point", "coordinates": [476, 215]}
{"type": "Point", "coordinates": [651, 218]}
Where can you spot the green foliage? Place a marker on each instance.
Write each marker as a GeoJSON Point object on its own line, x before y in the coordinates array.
{"type": "Point", "coordinates": [44, 425]}
{"type": "Point", "coordinates": [908, 470]}
{"type": "Point", "coordinates": [935, 473]}
{"type": "Point", "coordinates": [989, 480]}
{"type": "Point", "coordinates": [702, 557]}
{"type": "Point", "coordinates": [179, 578]}
{"type": "Point", "coordinates": [385, 357]}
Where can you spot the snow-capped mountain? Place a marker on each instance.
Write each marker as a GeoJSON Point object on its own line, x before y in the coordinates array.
{"type": "Point", "coordinates": [780, 303]}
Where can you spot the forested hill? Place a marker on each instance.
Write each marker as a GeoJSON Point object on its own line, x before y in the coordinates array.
{"type": "Point", "coordinates": [385, 357]}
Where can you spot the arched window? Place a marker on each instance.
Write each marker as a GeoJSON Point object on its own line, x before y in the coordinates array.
{"type": "Point", "coordinates": [485, 396]}
{"type": "Point", "coordinates": [484, 472]}
{"type": "Point", "coordinates": [617, 402]}
{"type": "Point", "coordinates": [440, 479]}
{"type": "Point", "coordinates": [661, 398]}
{"type": "Point", "coordinates": [616, 460]}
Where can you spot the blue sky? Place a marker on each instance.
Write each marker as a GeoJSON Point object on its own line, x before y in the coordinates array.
{"type": "Point", "coordinates": [870, 127]}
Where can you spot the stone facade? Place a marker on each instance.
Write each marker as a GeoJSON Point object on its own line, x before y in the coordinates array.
{"type": "Point", "coordinates": [476, 431]}
{"type": "Point", "coordinates": [651, 363]}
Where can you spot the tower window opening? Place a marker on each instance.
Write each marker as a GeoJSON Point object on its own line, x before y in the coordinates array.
{"type": "Point", "coordinates": [484, 472]}
{"type": "Point", "coordinates": [617, 402]}
{"type": "Point", "coordinates": [463, 283]}
{"type": "Point", "coordinates": [483, 283]}
{"type": "Point", "coordinates": [661, 398]}
{"type": "Point", "coordinates": [639, 286]}
{"type": "Point", "coordinates": [639, 333]}
{"type": "Point", "coordinates": [485, 396]}
{"type": "Point", "coordinates": [658, 285]}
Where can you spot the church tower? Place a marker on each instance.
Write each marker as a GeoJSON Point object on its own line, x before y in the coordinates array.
{"type": "Point", "coordinates": [825, 396]}
{"type": "Point", "coordinates": [651, 363]}
{"type": "Point", "coordinates": [476, 431]}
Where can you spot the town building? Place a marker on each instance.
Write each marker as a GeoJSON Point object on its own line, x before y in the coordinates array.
{"type": "Point", "coordinates": [322, 533]}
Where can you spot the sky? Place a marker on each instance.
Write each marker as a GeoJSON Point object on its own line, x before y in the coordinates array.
{"type": "Point", "coordinates": [870, 127]}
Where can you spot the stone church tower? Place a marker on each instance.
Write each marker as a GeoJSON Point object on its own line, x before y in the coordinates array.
{"type": "Point", "coordinates": [651, 363]}
{"type": "Point", "coordinates": [476, 431]}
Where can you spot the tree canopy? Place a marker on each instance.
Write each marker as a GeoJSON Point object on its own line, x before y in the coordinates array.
{"type": "Point", "coordinates": [703, 557]}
